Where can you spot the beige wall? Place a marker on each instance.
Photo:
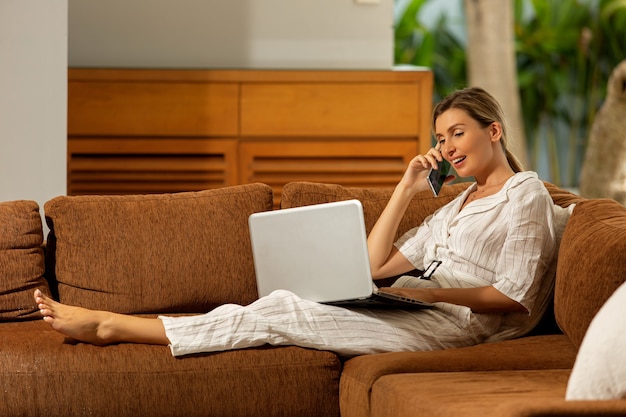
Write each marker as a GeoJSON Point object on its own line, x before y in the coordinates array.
{"type": "Point", "coordinates": [33, 99]}
{"type": "Point", "coordinates": [231, 34]}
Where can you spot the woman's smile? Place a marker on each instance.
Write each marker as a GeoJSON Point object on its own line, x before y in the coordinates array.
{"type": "Point", "coordinates": [458, 161]}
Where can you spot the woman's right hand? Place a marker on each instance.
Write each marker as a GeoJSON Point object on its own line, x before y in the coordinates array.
{"type": "Point", "coordinates": [414, 177]}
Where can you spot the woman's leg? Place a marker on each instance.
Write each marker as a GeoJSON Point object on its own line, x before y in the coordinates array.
{"type": "Point", "coordinates": [99, 327]}
{"type": "Point", "coordinates": [282, 318]}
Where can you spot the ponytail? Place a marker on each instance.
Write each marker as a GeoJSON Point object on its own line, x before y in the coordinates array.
{"type": "Point", "coordinates": [515, 164]}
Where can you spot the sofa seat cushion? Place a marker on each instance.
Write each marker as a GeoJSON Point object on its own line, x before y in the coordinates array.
{"type": "Point", "coordinates": [21, 259]}
{"type": "Point", "coordinates": [161, 253]}
{"type": "Point", "coordinates": [361, 373]}
{"type": "Point", "coordinates": [62, 378]}
{"type": "Point", "coordinates": [483, 394]}
{"type": "Point", "coordinates": [480, 394]}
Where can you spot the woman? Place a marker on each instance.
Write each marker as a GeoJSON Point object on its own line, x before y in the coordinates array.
{"type": "Point", "coordinates": [495, 242]}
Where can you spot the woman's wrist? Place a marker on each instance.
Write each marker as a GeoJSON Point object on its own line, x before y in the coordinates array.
{"type": "Point", "coordinates": [409, 189]}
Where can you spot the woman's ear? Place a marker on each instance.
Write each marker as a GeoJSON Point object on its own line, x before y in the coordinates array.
{"type": "Point", "coordinates": [495, 131]}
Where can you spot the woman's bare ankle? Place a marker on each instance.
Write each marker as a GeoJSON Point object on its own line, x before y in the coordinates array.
{"type": "Point", "coordinates": [99, 327]}
{"type": "Point", "coordinates": [105, 332]}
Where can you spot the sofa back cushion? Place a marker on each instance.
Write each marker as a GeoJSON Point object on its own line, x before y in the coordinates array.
{"type": "Point", "coordinates": [182, 253]}
{"type": "Point", "coordinates": [21, 260]}
{"type": "Point", "coordinates": [591, 264]}
{"type": "Point", "coordinates": [562, 197]}
{"type": "Point", "coordinates": [374, 200]}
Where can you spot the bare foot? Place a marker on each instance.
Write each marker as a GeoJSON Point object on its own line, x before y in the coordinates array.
{"type": "Point", "coordinates": [78, 323]}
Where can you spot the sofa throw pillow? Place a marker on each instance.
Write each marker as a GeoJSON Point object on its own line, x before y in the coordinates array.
{"type": "Point", "coordinates": [162, 253]}
{"type": "Point", "coordinates": [591, 264]}
{"type": "Point", "coordinates": [600, 369]}
{"type": "Point", "coordinates": [21, 260]}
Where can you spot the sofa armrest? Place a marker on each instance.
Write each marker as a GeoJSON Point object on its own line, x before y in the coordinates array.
{"type": "Point", "coordinates": [591, 264]}
{"type": "Point", "coordinates": [21, 260]}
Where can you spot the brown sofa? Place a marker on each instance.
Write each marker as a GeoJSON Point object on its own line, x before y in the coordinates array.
{"type": "Point", "coordinates": [189, 252]}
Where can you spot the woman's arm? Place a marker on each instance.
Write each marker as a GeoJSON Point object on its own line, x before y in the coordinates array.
{"type": "Point", "coordinates": [520, 260]}
{"type": "Point", "coordinates": [480, 300]}
{"type": "Point", "coordinates": [385, 260]}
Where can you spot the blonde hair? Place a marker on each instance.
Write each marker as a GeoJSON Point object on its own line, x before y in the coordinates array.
{"type": "Point", "coordinates": [482, 107]}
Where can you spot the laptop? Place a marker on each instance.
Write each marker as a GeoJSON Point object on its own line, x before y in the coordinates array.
{"type": "Point", "coordinates": [318, 252]}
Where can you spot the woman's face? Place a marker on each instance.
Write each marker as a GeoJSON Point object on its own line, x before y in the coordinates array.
{"type": "Point", "coordinates": [463, 142]}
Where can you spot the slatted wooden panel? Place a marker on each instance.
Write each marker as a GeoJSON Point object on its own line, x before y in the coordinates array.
{"type": "Point", "coordinates": [354, 163]}
{"type": "Point", "coordinates": [138, 166]}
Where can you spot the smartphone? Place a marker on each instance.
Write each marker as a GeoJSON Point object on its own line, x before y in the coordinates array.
{"type": "Point", "coordinates": [436, 177]}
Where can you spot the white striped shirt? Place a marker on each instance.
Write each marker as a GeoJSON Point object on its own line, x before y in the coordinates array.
{"type": "Point", "coordinates": [507, 240]}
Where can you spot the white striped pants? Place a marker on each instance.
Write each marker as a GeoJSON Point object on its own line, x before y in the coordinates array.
{"type": "Point", "coordinates": [282, 318]}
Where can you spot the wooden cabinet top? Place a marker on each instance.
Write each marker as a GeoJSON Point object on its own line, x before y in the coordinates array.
{"type": "Point", "coordinates": [421, 75]}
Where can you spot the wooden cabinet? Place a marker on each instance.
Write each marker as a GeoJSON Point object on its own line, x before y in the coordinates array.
{"type": "Point", "coordinates": [147, 131]}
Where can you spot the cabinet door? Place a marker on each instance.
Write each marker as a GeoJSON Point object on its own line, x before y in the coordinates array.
{"type": "Point", "coordinates": [356, 163]}
{"type": "Point", "coordinates": [149, 165]}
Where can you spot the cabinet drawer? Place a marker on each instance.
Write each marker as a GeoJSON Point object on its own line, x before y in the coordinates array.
{"type": "Point", "coordinates": [330, 109]}
{"type": "Point", "coordinates": [152, 108]}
